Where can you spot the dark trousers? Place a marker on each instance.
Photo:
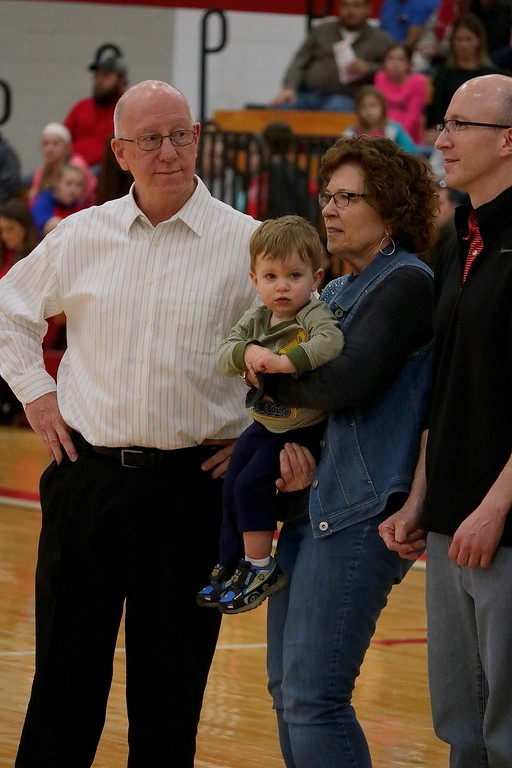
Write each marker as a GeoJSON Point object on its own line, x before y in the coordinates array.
{"type": "Point", "coordinates": [250, 501]}
{"type": "Point", "coordinates": [114, 538]}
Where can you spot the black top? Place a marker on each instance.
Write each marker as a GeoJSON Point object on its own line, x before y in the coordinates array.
{"type": "Point", "coordinates": [470, 438]}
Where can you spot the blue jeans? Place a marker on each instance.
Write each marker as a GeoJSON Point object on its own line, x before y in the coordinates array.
{"type": "Point", "coordinates": [317, 100]}
{"type": "Point", "coordinates": [319, 629]}
{"type": "Point", "coordinates": [470, 655]}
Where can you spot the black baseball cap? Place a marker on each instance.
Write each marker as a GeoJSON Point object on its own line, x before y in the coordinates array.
{"type": "Point", "coordinates": [109, 59]}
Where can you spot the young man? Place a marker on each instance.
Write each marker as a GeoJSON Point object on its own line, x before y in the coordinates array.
{"type": "Point", "coordinates": [140, 427]}
{"type": "Point", "coordinates": [463, 495]}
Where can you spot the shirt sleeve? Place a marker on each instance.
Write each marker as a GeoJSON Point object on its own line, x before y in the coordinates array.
{"type": "Point", "coordinates": [28, 294]}
{"type": "Point", "coordinates": [325, 340]}
{"type": "Point", "coordinates": [395, 319]}
{"type": "Point", "coordinates": [230, 353]}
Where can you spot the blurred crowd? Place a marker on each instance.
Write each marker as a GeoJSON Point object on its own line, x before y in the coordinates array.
{"type": "Point", "coordinates": [392, 64]}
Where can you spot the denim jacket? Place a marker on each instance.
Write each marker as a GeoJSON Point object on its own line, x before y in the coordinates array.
{"type": "Point", "coordinates": [370, 451]}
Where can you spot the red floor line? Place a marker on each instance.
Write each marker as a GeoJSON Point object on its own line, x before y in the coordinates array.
{"type": "Point", "coordinates": [13, 493]}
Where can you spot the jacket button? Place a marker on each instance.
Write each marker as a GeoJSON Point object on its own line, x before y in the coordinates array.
{"type": "Point", "coordinates": [322, 443]}
{"type": "Point", "coordinates": [338, 313]}
{"type": "Point", "coordinates": [323, 525]}
{"type": "Point", "coordinates": [315, 483]}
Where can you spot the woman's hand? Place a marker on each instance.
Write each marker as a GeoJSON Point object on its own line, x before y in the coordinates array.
{"type": "Point", "coordinates": [298, 468]}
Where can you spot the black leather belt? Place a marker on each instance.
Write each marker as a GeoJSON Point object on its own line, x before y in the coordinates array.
{"type": "Point", "coordinates": [142, 458]}
{"type": "Point", "coordinates": [137, 458]}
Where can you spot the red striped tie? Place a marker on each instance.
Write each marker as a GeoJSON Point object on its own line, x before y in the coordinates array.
{"type": "Point", "coordinates": [475, 243]}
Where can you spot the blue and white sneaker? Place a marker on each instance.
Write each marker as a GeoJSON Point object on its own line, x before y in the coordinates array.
{"type": "Point", "coordinates": [209, 596]}
{"type": "Point", "coordinates": [250, 586]}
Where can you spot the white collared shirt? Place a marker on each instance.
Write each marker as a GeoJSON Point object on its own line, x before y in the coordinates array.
{"type": "Point", "coordinates": [146, 308]}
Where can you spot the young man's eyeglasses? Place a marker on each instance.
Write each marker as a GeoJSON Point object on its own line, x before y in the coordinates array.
{"type": "Point", "coordinates": [155, 140]}
{"type": "Point", "coordinates": [455, 126]}
{"type": "Point", "coordinates": [341, 199]}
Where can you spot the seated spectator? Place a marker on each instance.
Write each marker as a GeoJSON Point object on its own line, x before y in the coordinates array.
{"type": "Point", "coordinates": [56, 149]}
{"type": "Point", "coordinates": [336, 58]}
{"type": "Point", "coordinates": [113, 181]}
{"type": "Point", "coordinates": [18, 236]}
{"type": "Point", "coordinates": [277, 186]}
{"type": "Point", "coordinates": [405, 20]}
{"type": "Point", "coordinates": [496, 16]}
{"type": "Point", "coordinates": [467, 58]}
{"type": "Point", "coordinates": [372, 119]}
{"type": "Point", "coordinates": [18, 233]}
{"type": "Point", "coordinates": [405, 93]}
{"type": "Point", "coordinates": [217, 160]}
{"type": "Point", "coordinates": [9, 171]}
{"type": "Point", "coordinates": [90, 121]}
{"type": "Point", "coordinates": [52, 205]}
{"type": "Point", "coordinates": [445, 224]}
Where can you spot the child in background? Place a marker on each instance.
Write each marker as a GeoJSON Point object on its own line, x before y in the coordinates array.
{"type": "Point", "coordinates": [372, 119]}
{"type": "Point", "coordinates": [291, 333]}
{"type": "Point", "coordinates": [51, 206]}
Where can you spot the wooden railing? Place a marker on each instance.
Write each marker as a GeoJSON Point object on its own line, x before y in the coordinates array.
{"type": "Point", "coordinates": [303, 123]}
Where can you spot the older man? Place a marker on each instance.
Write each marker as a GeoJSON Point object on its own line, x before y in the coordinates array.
{"type": "Point", "coordinates": [140, 427]}
{"type": "Point", "coordinates": [335, 59]}
{"type": "Point", "coordinates": [465, 498]}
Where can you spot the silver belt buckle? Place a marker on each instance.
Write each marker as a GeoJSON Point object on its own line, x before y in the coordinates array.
{"type": "Point", "coordinates": [125, 452]}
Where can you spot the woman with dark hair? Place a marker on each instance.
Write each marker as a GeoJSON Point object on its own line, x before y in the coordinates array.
{"type": "Point", "coordinates": [379, 206]}
{"type": "Point", "coordinates": [18, 233]}
{"type": "Point", "coordinates": [18, 236]}
{"type": "Point", "coordinates": [467, 57]}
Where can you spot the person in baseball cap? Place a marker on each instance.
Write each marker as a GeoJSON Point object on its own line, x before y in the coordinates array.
{"type": "Point", "coordinates": [90, 121]}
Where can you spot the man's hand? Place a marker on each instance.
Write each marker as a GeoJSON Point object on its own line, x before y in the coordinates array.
{"type": "Point", "coordinates": [44, 417]}
{"type": "Point", "coordinates": [298, 468]}
{"type": "Point", "coordinates": [477, 537]}
{"type": "Point", "coordinates": [358, 68]}
{"type": "Point", "coordinates": [401, 534]}
{"type": "Point", "coordinates": [287, 94]}
{"type": "Point", "coordinates": [218, 462]}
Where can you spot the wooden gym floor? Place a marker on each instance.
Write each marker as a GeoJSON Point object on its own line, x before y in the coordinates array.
{"type": "Point", "coordinates": [237, 728]}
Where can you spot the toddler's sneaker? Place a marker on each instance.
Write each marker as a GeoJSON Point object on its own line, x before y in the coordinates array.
{"type": "Point", "coordinates": [250, 586]}
{"type": "Point", "coordinates": [209, 596]}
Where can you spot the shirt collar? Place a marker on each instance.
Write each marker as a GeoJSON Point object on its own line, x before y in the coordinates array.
{"type": "Point", "coordinates": [193, 213]}
{"type": "Point", "coordinates": [487, 215]}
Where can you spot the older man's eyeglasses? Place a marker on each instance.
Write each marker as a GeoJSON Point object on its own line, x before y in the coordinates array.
{"type": "Point", "coordinates": [341, 199]}
{"type": "Point", "coordinates": [155, 140]}
{"type": "Point", "coordinates": [456, 126]}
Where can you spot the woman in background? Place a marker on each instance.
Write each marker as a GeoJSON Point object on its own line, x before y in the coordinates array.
{"type": "Point", "coordinates": [18, 236]}
{"type": "Point", "coordinates": [467, 58]}
{"type": "Point", "coordinates": [18, 233]}
{"type": "Point", "coordinates": [56, 149]}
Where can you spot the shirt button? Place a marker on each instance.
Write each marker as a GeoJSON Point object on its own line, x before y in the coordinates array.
{"type": "Point", "coordinates": [315, 483]}
{"type": "Point", "coordinates": [323, 525]}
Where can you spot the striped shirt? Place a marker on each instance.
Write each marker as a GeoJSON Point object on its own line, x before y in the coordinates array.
{"type": "Point", "coordinates": [146, 308]}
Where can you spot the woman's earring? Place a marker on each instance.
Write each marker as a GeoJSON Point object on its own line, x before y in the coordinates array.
{"type": "Point", "coordinates": [392, 243]}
